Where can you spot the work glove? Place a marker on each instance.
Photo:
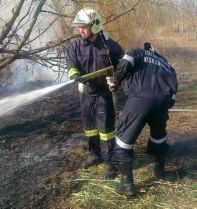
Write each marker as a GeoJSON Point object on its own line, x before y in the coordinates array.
{"type": "Point", "coordinates": [111, 83]}
{"type": "Point", "coordinates": [172, 101]}
{"type": "Point", "coordinates": [83, 88]}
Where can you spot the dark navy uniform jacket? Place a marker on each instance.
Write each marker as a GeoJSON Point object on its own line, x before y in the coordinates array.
{"type": "Point", "coordinates": [148, 74]}
{"type": "Point", "coordinates": [85, 57]}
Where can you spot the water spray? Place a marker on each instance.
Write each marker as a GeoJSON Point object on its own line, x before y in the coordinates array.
{"type": "Point", "coordinates": [11, 103]}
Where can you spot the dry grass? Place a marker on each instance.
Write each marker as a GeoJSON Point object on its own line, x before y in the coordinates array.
{"type": "Point", "coordinates": [82, 189]}
{"type": "Point", "coordinates": [177, 190]}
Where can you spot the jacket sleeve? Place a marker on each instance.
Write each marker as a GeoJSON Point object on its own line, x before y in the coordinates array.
{"type": "Point", "coordinates": [73, 65]}
{"type": "Point", "coordinates": [127, 65]}
{"type": "Point", "coordinates": [123, 70]}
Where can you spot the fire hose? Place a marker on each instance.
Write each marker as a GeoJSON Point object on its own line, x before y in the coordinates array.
{"type": "Point", "coordinates": [98, 73]}
{"type": "Point", "coordinates": [102, 72]}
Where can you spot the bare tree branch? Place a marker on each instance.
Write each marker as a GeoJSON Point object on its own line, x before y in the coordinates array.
{"type": "Point", "coordinates": [114, 17]}
{"type": "Point", "coordinates": [56, 13]}
{"type": "Point", "coordinates": [54, 44]}
{"type": "Point", "coordinates": [10, 23]}
{"type": "Point", "coordinates": [13, 32]}
{"type": "Point", "coordinates": [49, 25]}
{"type": "Point", "coordinates": [26, 35]}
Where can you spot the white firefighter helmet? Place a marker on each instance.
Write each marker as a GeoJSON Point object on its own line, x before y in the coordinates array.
{"type": "Point", "coordinates": [88, 16]}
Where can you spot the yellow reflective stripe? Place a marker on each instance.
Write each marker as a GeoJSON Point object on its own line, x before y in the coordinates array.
{"type": "Point", "coordinates": [90, 133]}
{"type": "Point", "coordinates": [73, 71]}
{"type": "Point", "coordinates": [107, 136]}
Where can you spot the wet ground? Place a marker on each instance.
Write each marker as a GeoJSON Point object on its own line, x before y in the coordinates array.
{"type": "Point", "coordinates": [33, 143]}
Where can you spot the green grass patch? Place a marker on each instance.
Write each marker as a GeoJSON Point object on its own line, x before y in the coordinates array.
{"type": "Point", "coordinates": [170, 193]}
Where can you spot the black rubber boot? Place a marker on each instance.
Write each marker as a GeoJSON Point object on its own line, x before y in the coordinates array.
{"type": "Point", "coordinates": [159, 153]}
{"type": "Point", "coordinates": [95, 152]}
{"type": "Point", "coordinates": [110, 171]}
{"type": "Point", "coordinates": [91, 161]}
{"type": "Point", "coordinates": [159, 168]}
{"type": "Point", "coordinates": [126, 186]}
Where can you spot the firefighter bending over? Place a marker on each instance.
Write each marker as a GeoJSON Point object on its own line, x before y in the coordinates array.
{"type": "Point", "coordinates": [151, 85]}
{"type": "Point", "coordinates": [91, 52]}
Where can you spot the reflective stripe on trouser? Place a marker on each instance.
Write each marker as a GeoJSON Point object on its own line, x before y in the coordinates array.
{"type": "Point", "coordinates": [107, 136]}
{"type": "Point", "coordinates": [97, 113]}
{"type": "Point", "coordinates": [102, 145]}
{"type": "Point", "coordinates": [134, 117]}
{"type": "Point", "coordinates": [98, 118]}
{"type": "Point", "coordinates": [158, 141]}
{"type": "Point", "coordinates": [93, 142]}
{"type": "Point", "coordinates": [123, 145]}
{"type": "Point", "coordinates": [90, 133]}
{"type": "Point", "coordinates": [157, 146]}
{"type": "Point", "coordinates": [103, 136]}
{"type": "Point", "coordinates": [122, 152]}
{"type": "Point", "coordinates": [107, 143]}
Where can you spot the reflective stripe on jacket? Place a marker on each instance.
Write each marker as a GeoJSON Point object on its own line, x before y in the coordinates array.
{"type": "Point", "coordinates": [84, 57]}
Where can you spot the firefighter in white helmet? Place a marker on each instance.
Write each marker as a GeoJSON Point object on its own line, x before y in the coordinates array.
{"type": "Point", "coordinates": [88, 17]}
{"type": "Point", "coordinates": [92, 51]}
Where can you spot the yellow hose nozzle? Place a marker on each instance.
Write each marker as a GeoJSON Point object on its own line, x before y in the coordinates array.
{"type": "Point", "coordinates": [105, 71]}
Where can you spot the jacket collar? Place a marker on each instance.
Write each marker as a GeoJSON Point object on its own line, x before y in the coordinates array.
{"type": "Point", "coordinates": [96, 41]}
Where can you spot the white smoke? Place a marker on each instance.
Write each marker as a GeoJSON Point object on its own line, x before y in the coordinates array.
{"type": "Point", "coordinates": [25, 70]}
